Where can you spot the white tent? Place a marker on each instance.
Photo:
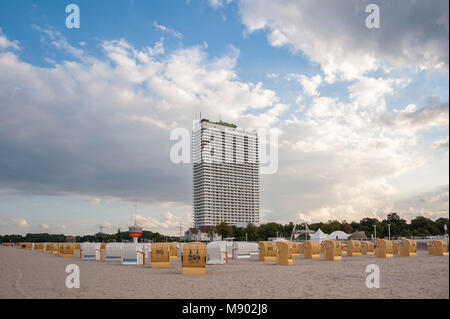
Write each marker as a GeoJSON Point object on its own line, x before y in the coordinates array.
{"type": "Point", "coordinates": [319, 236]}
{"type": "Point", "coordinates": [216, 253]}
{"type": "Point", "coordinates": [241, 249]}
{"type": "Point", "coordinates": [338, 234]}
{"type": "Point", "coordinates": [133, 254]}
{"type": "Point", "coordinates": [254, 249]}
{"type": "Point", "coordinates": [90, 251]}
{"type": "Point", "coordinates": [113, 252]}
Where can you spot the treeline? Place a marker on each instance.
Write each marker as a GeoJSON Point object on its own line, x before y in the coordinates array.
{"type": "Point", "coordinates": [99, 237]}
{"type": "Point", "coordinates": [420, 226]}
{"type": "Point", "coordinates": [34, 238]}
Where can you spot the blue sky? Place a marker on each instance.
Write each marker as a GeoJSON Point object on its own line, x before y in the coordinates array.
{"type": "Point", "coordinates": [87, 113]}
{"type": "Point", "coordinates": [133, 21]}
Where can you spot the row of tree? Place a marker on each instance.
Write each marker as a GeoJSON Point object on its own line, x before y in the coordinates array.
{"type": "Point", "coordinates": [420, 226]}
{"type": "Point", "coordinates": [147, 236]}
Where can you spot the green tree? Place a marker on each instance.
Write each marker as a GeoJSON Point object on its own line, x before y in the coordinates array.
{"type": "Point", "coordinates": [287, 230]}
{"type": "Point", "coordinates": [252, 232]}
{"type": "Point", "coordinates": [367, 224]}
{"type": "Point", "coordinates": [119, 237]}
{"type": "Point", "coordinates": [355, 226]}
{"type": "Point", "coordinates": [239, 233]}
{"type": "Point", "coordinates": [347, 228]}
{"type": "Point", "coordinates": [398, 226]}
{"type": "Point", "coordinates": [440, 222]}
{"type": "Point", "coordinates": [424, 226]}
{"type": "Point", "coordinates": [270, 230]}
{"type": "Point", "coordinates": [211, 230]}
{"type": "Point", "coordinates": [224, 230]}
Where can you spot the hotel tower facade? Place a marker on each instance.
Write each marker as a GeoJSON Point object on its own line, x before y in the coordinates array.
{"type": "Point", "coordinates": [225, 174]}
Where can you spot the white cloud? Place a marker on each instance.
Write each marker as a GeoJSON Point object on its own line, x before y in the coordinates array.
{"type": "Point", "coordinates": [441, 143]}
{"type": "Point", "coordinates": [107, 224]}
{"type": "Point", "coordinates": [44, 226]}
{"type": "Point", "coordinates": [271, 75]}
{"type": "Point", "coordinates": [413, 119]}
{"type": "Point", "coordinates": [94, 200]}
{"type": "Point", "coordinates": [99, 123]}
{"type": "Point", "coordinates": [20, 222]}
{"type": "Point", "coordinates": [98, 127]}
{"type": "Point", "coordinates": [310, 84]}
{"type": "Point", "coordinates": [440, 197]}
{"type": "Point", "coordinates": [432, 204]}
{"type": "Point", "coordinates": [333, 34]}
{"type": "Point", "coordinates": [219, 3]}
{"type": "Point", "coordinates": [57, 40]}
{"type": "Point", "coordinates": [163, 28]}
{"type": "Point", "coordinates": [339, 162]}
{"type": "Point", "coordinates": [168, 223]}
{"type": "Point", "coordinates": [370, 92]}
{"type": "Point", "coordinates": [6, 44]}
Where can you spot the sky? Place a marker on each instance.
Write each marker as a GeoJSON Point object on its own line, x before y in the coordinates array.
{"type": "Point", "coordinates": [362, 114]}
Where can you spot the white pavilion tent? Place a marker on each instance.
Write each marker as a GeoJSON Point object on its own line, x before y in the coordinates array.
{"type": "Point", "coordinates": [319, 236]}
{"type": "Point", "coordinates": [338, 235]}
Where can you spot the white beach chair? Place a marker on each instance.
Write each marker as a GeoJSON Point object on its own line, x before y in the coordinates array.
{"type": "Point", "coordinates": [90, 251]}
{"type": "Point", "coordinates": [113, 252]}
{"type": "Point", "coordinates": [133, 254]}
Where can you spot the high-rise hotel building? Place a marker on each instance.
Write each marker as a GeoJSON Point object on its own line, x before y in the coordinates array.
{"type": "Point", "coordinates": [226, 174]}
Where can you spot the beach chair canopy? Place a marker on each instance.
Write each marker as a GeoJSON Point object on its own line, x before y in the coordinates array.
{"type": "Point", "coordinates": [216, 253]}
{"type": "Point", "coordinates": [114, 251]}
{"type": "Point", "coordinates": [241, 249]}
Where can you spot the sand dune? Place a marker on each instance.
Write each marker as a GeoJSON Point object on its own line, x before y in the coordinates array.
{"type": "Point", "coordinates": [30, 274]}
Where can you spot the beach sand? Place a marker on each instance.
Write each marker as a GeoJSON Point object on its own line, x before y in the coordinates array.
{"type": "Point", "coordinates": [31, 274]}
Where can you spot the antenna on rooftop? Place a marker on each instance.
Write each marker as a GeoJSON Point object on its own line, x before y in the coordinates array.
{"type": "Point", "coordinates": [135, 231]}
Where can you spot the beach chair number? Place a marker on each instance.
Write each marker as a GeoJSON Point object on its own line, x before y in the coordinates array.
{"type": "Point", "coordinates": [193, 258]}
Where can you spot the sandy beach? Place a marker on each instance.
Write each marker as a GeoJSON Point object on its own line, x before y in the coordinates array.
{"type": "Point", "coordinates": [31, 274]}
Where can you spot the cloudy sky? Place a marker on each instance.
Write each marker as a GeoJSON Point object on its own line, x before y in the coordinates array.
{"type": "Point", "coordinates": [86, 114]}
